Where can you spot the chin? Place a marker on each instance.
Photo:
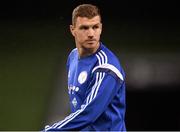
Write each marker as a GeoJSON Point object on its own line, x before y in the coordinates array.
{"type": "Point", "coordinates": [92, 45]}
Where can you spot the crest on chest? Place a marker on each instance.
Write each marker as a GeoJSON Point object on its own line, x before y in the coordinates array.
{"type": "Point", "coordinates": [82, 77]}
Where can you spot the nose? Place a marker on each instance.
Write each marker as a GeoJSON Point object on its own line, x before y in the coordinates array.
{"type": "Point", "coordinates": [90, 33]}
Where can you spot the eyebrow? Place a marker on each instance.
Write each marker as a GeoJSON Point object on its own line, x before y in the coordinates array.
{"type": "Point", "coordinates": [87, 26]}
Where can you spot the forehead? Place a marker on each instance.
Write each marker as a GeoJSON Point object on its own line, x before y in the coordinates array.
{"type": "Point", "coordinates": [86, 21]}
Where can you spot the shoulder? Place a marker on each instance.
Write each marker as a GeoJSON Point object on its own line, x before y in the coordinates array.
{"type": "Point", "coordinates": [104, 55]}
{"type": "Point", "coordinates": [108, 62]}
{"type": "Point", "coordinates": [72, 55]}
{"type": "Point", "coordinates": [73, 52]}
{"type": "Point", "coordinates": [110, 57]}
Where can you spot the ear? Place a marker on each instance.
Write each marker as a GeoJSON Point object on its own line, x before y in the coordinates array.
{"type": "Point", "coordinates": [72, 29]}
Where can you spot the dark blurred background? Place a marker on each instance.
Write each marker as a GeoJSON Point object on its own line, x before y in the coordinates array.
{"type": "Point", "coordinates": [35, 42]}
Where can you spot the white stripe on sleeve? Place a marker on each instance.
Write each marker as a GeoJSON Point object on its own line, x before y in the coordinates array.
{"type": "Point", "coordinates": [112, 68]}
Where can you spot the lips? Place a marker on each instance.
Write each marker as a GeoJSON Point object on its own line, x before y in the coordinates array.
{"type": "Point", "coordinates": [90, 40]}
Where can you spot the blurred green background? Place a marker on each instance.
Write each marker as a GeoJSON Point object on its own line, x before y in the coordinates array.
{"type": "Point", "coordinates": [30, 54]}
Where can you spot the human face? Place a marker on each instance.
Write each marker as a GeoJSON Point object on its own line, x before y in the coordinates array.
{"type": "Point", "coordinates": [87, 33]}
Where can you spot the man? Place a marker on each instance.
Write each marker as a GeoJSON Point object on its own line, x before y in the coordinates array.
{"type": "Point", "coordinates": [95, 78]}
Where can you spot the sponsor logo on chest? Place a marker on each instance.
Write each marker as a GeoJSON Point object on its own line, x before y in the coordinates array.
{"type": "Point", "coordinates": [73, 89]}
{"type": "Point", "coordinates": [74, 102]}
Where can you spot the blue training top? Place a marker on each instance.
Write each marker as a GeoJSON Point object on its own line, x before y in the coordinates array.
{"type": "Point", "coordinates": [97, 93]}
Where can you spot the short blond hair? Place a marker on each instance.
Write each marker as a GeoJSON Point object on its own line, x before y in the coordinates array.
{"type": "Point", "coordinates": [85, 10]}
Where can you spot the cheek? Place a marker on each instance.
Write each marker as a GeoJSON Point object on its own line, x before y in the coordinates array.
{"type": "Point", "coordinates": [98, 34]}
{"type": "Point", "coordinates": [100, 31]}
{"type": "Point", "coordinates": [80, 36]}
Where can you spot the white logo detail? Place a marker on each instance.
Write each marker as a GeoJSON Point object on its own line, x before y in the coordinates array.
{"type": "Point", "coordinates": [82, 106]}
{"type": "Point", "coordinates": [73, 89]}
{"type": "Point", "coordinates": [74, 102]}
{"type": "Point", "coordinates": [77, 89]}
{"type": "Point", "coordinates": [82, 77]}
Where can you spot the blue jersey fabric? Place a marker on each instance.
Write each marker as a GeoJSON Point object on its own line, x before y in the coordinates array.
{"type": "Point", "coordinates": [96, 89]}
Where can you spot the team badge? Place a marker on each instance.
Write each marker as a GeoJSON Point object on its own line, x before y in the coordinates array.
{"type": "Point", "coordinates": [82, 77]}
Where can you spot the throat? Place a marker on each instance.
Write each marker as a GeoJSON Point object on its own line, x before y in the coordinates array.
{"type": "Point", "coordinates": [86, 52]}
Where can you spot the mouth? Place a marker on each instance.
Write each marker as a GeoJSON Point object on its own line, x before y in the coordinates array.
{"type": "Point", "coordinates": [91, 41]}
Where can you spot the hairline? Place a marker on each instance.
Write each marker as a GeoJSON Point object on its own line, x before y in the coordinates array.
{"type": "Point", "coordinates": [75, 21]}
{"type": "Point", "coordinates": [76, 12]}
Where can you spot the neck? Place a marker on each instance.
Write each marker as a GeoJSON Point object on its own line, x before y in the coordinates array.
{"type": "Point", "coordinates": [84, 52]}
